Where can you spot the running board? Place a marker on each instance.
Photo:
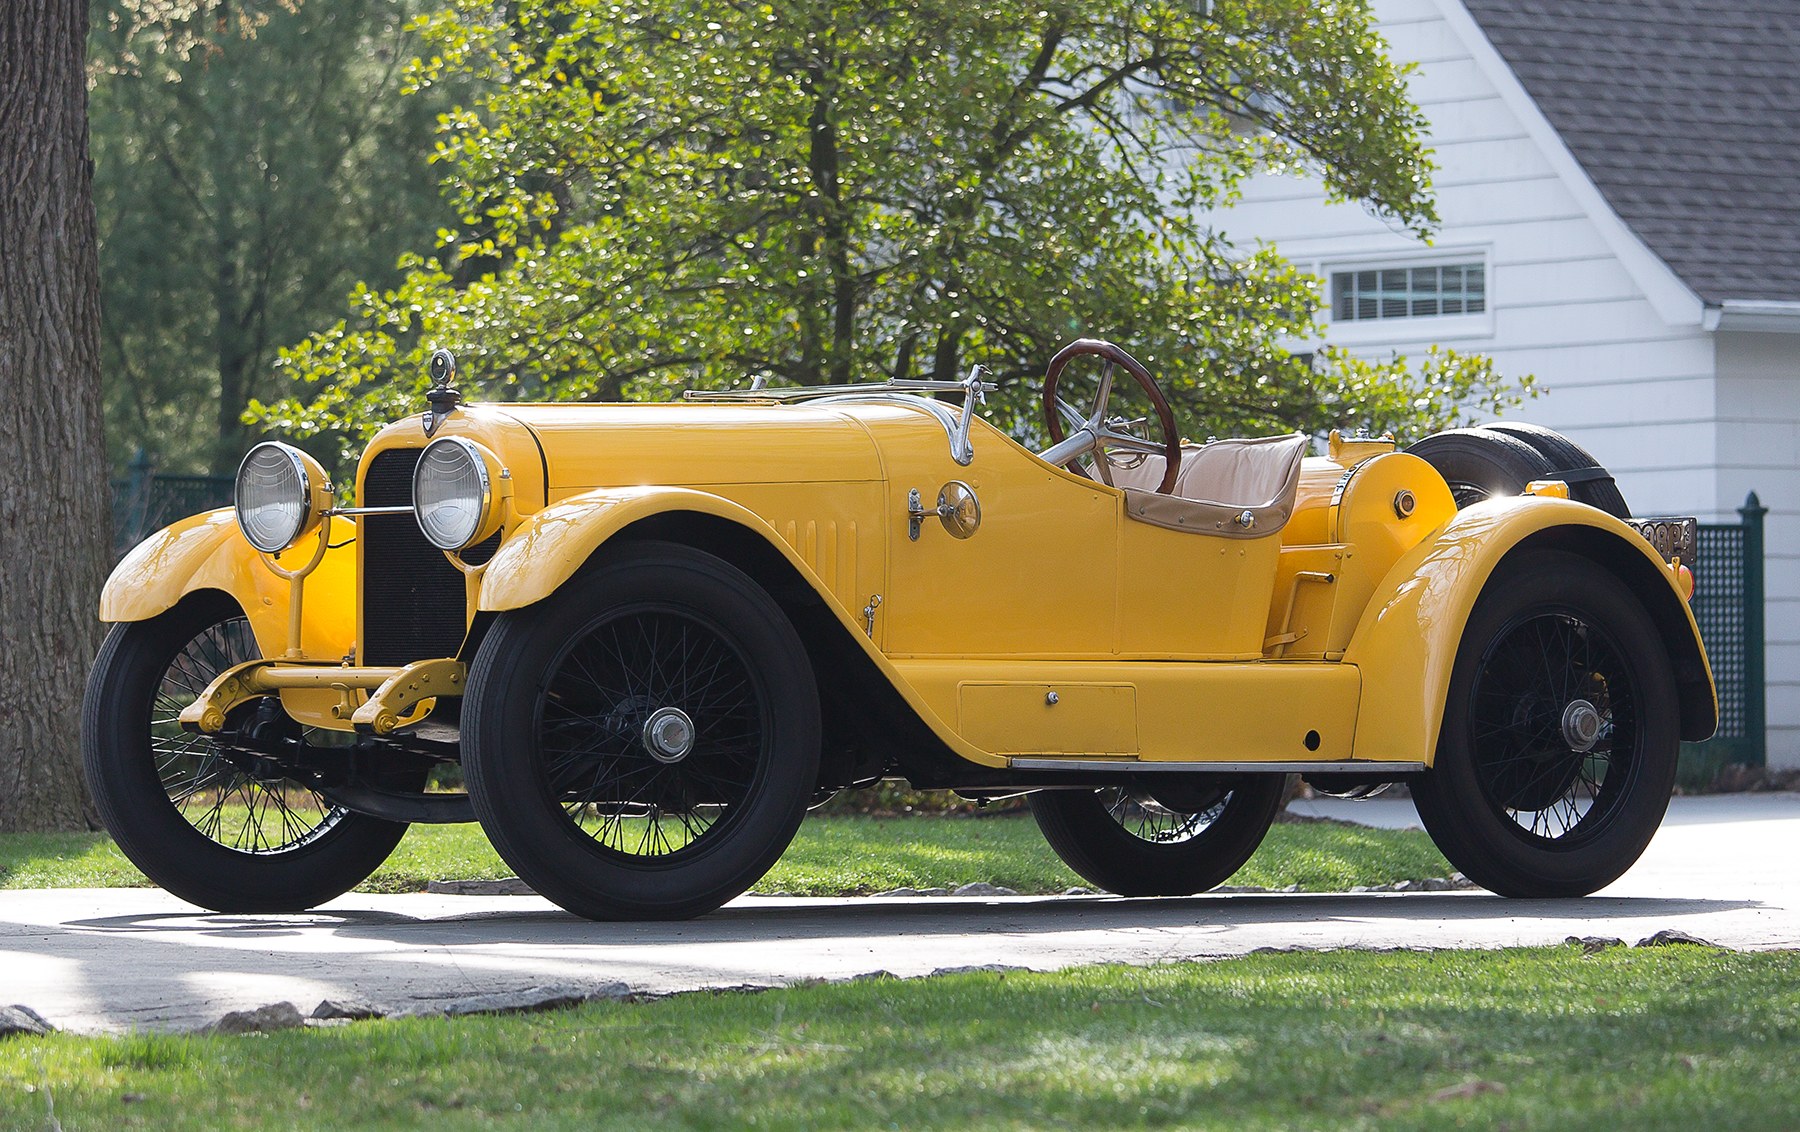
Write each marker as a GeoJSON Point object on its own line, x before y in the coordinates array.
{"type": "Point", "coordinates": [1134, 766]}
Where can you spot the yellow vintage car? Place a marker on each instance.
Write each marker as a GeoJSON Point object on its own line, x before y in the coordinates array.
{"type": "Point", "coordinates": [652, 635]}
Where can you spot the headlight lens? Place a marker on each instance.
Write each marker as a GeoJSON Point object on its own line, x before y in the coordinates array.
{"type": "Point", "coordinates": [282, 494]}
{"type": "Point", "coordinates": [453, 493]}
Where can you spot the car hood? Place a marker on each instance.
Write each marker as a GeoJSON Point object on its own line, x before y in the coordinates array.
{"type": "Point", "coordinates": [610, 445]}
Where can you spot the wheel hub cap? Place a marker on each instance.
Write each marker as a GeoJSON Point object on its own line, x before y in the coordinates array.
{"type": "Point", "coordinates": [668, 735]}
{"type": "Point", "coordinates": [1581, 726]}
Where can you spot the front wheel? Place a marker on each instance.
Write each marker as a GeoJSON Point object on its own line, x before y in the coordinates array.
{"type": "Point", "coordinates": [219, 828]}
{"type": "Point", "coordinates": [643, 744]}
{"type": "Point", "coordinates": [1560, 734]}
{"type": "Point", "coordinates": [1172, 839]}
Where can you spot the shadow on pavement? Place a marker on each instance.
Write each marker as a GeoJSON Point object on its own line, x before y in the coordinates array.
{"type": "Point", "coordinates": [822, 920]}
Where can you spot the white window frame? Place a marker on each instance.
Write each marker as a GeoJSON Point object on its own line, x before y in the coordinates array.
{"type": "Point", "coordinates": [1357, 333]}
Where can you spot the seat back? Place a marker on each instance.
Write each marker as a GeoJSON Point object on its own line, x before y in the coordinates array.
{"type": "Point", "coordinates": [1238, 487]}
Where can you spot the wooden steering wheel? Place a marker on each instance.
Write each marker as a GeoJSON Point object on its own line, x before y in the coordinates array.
{"type": "Point", "coordinates": [1097, 433]}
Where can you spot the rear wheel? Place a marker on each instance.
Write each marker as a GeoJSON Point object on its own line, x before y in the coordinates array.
{"type": "Point", "coordinates": [218, 828]}
{"type": "Point", "coordinates": [1560, 733]}
{"type": "Point", "coordinates": [643, 744]}
{"type": "Point", "coordinates": [1171, 840]}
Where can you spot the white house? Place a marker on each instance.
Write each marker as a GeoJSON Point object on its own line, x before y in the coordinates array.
{"type": "Point", "coordinates": [1619, 185]}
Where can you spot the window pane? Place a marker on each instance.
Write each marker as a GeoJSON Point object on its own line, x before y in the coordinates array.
{"type": "Point", "coordinates": [1408, 292]}
{"type": "Point", "coordinates": [1426, 284]}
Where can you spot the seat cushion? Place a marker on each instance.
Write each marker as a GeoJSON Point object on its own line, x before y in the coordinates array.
{"type": "Point", "coordinates": [1238, 487]}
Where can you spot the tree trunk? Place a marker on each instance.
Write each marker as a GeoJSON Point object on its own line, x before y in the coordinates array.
{"type": "Point", "coordinates": [55, 514]}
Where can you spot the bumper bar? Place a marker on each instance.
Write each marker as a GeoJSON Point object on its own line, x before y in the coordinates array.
{"type": "Point", "coordinates": [394, 692]}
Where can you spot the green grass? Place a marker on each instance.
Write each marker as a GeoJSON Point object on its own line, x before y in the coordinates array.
{"type": "Point", "coordinates": [832, 856]}
{"type": "Point", "coordinates": [1676, 1038]}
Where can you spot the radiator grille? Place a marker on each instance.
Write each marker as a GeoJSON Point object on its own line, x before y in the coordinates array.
{"type": "Point", "coordinates": [413, 599]}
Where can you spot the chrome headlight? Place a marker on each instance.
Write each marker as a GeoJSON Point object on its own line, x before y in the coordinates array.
{"type": "Point", "coordinates": [453, 493]}
{"type": "Point", "coordinates": [282, 494]}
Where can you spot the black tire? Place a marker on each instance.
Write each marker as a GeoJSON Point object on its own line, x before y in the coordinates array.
{"type": "Point", "coordinates": [1126, 841]}
{"type": "Point", "coordinates": [1513, 799]}
{"type": "Point", "coordinates": [1571, 463]}
{"type": "Point", "coordinates": [196, 822]}
{"type": "Point", "coordinates": [596, 822]}
{"type": "Point", "coordinates": [1480, 464]}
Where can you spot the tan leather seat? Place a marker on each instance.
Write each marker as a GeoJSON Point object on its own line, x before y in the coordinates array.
{"type": "Point", "coordinates": [1239, 487]}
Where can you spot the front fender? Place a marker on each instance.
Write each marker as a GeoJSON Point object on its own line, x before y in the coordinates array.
{"type": "Point", "coordinates": [207, 552]}
{"type": "Point", "coordinates": [1406, 641]}
{"type": "Point", "coordinates": [551, 545]}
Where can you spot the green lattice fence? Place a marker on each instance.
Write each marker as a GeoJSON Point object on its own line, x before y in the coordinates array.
{"type": "Point", "coordinates": [1728, 605]}
{"type": "Point", "coordinates": [144, 502]}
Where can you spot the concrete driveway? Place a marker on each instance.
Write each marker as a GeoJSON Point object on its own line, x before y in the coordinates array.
{"type": "Point", "coordinates": [1722, 868]}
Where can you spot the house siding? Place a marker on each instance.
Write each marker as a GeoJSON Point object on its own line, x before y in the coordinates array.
{"type": "Point", "coordinates": [1687, 420]}
{"type": "Point", "coordinates": [1759, 436]}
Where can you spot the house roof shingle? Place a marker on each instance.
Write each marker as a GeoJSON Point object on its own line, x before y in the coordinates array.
{"type": "Point", "coordinates": [1686, 114]}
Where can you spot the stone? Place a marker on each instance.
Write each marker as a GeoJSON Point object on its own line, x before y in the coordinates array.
{"type": "Point", "coordinates": [1077, 890]}
{"type": "Point", "coordinates": [530, 1000]}
{"type": "Point", "coordinates": [349, 1009]}
{"type": "Point", "coordinates": [1435, 884]}
{"type": "Point", "coordinates": [1593, 943]}
{"type": "Point", "coordinates": [896, 892]}
{"type": "Point", "coordinates": [934, 892]}
{"type": "Point", "coordinates": [24, 1021]}
{"type": "Point", "coordinates": [983, 888]}
{"type": "Point", "coordinates": [1404, 886]}
{"type": "Point", "coordinates": [1360, 888]}
{"type": "Point", "coordinates": [978, 969]}
{"type": "Point", "coordinates": [1467, 1090]}
{"type": "Point", "coordinates": [1291, 888]}
{"type": "Point", "coordinates": [1669, 936]}
{"type": "Point", "coordinates": [505, 886]}
{"type": "Point", "coordinates": [262, 1020]}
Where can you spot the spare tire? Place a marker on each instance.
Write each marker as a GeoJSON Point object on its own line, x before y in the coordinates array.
{"type": "Point", "coordinates": [1588, 482]}
{"type": "Point", "coordinates": [1480, 463]}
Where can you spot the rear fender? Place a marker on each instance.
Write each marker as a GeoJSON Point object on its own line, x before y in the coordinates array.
{"type": "Point", "coordinates": [207, 552]}
{"type": "Point", "coordinates": [1406, 640]}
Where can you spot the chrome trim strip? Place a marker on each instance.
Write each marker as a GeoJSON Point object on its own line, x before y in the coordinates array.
{"type": "Point", "coordinates": [1135, 766]}
{"type": "Point", "coordinates": [809, 392]}
{"type": "Point", "coordinates": [938, 409]}
{"type": "Point", "coordinates": [370, 511]}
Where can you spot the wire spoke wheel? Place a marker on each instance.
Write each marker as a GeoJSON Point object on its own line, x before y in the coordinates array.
{"type": "Point", "coordinates": [651, 731]}
{"type": "Point", "coordinates": [1560, 734]}
{"type": "Point", "coordinates": [223, 829]}
{"type": "Point", "coordinates": [1554, 719]}
{"type": "Point", "coordinates": [643, 743]}
{"type": "Point", "coordinates": [222, 799]}
{"type": "Point", "coordinates": [1168, 838]}
{"type": "Point", "coordinates": [1143, 817]}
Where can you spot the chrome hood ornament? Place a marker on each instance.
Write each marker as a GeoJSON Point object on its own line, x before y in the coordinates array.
{"type": "Point", "coordinates": [444, 399]}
